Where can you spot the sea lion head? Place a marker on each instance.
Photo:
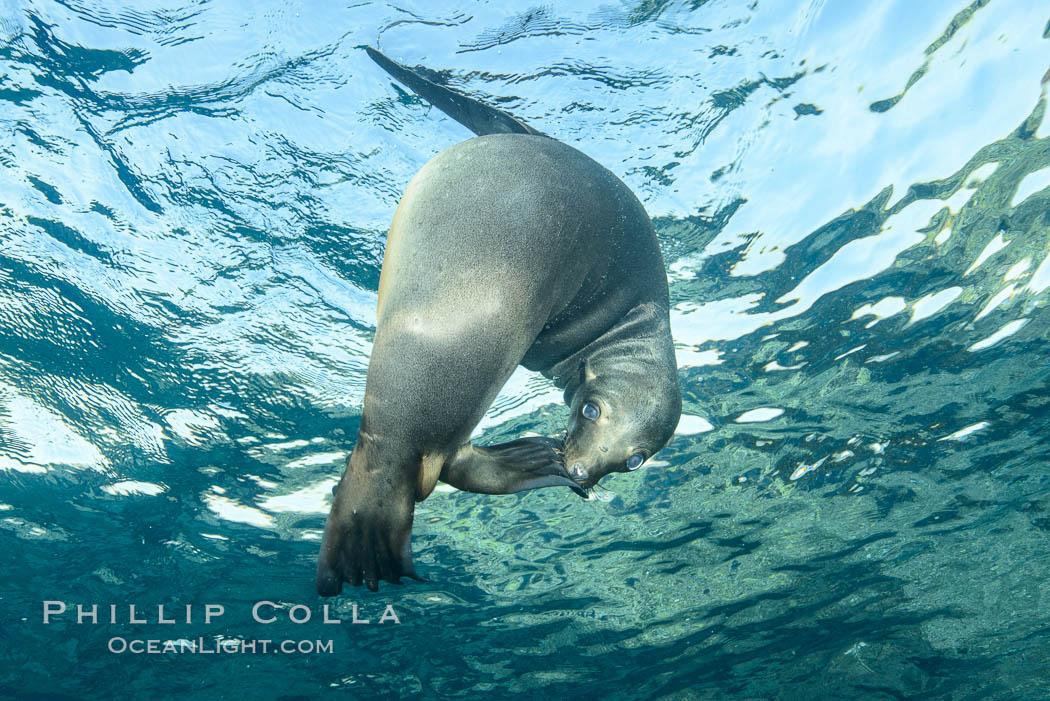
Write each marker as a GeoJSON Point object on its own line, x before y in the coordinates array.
{"type": "Point", "coordinates": [622, 413]}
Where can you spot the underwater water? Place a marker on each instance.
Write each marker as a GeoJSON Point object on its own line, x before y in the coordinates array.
{"type": "Point", "coordinates": [853, 202]}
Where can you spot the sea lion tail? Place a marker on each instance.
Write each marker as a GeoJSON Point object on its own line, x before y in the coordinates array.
{"type": "Point", "coordinates": [473, 114]}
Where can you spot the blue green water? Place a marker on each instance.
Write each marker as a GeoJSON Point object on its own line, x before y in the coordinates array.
{"type": "Point", "coordinates": [852, 201]}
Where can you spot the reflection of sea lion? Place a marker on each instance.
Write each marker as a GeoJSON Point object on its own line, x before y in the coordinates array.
{"type": "Point", "coordinates": [507, 249]}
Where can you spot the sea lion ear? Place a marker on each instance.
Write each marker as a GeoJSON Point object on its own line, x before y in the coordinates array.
{"type": "Point", "coordinates": [586, 373]}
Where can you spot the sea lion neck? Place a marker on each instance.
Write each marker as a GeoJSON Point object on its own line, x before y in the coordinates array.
{"type": "Point", "coordinates": [641, 337]}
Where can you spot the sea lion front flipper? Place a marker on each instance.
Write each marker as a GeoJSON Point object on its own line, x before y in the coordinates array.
{"type": "Point", "coordinates": [517, 466]}
{"type": "Point", "coordinates": [368, 534]}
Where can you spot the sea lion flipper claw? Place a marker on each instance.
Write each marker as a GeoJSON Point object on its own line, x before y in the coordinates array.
{"type": "Point", "coordinates": [517, 466]}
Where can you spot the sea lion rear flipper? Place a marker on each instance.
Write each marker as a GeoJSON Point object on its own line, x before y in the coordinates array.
{"type": "Point", "coordinates": [473, 114]}
{"type": "Point", "coordinates": [517, 466]}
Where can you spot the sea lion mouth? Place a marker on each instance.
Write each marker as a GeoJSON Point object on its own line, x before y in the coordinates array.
{"type": "Point", "coordinates": [580, 478]}
{"type": "Point", "coordinates": [578, 473]}
{"type": "Point", "coordinates": [592, 491]}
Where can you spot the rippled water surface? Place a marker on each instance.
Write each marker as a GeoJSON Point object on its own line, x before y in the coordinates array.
{"type": "Point", "coordinates": [853, 205]}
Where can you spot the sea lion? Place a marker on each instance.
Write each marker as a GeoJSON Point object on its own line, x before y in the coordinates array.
{"type": "Point", "coordinates": [509, 248]}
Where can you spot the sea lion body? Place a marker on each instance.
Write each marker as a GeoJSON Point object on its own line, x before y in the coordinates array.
{"type": "Point", "coordinates": [506, 249]}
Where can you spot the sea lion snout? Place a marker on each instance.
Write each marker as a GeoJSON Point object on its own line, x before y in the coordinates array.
{"type": "Point", "coordinates": [577, 472]}
{"type": "Point", "coordinates": [587, 474]}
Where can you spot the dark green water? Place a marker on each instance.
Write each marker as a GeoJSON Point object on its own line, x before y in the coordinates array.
{"type": "Point", "coordinates": [852, 202]}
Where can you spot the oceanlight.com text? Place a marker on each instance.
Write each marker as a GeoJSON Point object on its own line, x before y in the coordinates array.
{"type": "Point", "coordinates": [222, 646]}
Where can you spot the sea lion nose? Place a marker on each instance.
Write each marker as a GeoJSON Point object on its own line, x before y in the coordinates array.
{"type": "Point", "coordinates": [577, 471]}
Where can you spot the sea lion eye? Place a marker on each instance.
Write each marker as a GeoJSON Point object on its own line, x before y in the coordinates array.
{"type": "Point", "coordinates": [635, 461]}
{"type": "Point", "coordinates": [590, 411]}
